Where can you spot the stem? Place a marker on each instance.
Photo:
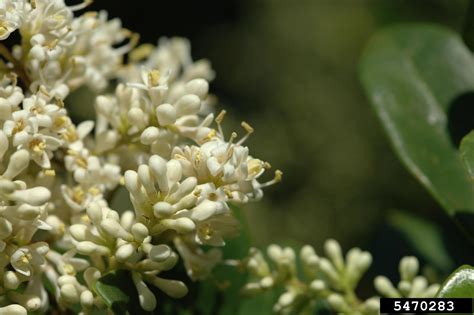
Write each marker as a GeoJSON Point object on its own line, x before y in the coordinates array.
{"type": "Point", "coordinates": [17, 67]}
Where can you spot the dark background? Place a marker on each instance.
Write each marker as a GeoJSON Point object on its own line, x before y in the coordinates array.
{"type": "Point", "coordinates": [289, 67]}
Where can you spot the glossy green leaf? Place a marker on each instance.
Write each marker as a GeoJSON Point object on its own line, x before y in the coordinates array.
{"type": "Point", "coordinates": [460, 284]}
{"type": "Point", "coordinates": [467, 153]}
{"type": "Point", "coordinates": [417, 231]}
{"type": "Point", "coordinates": [113, 289]}
{"type": "Point", "coordinates": [411, 74]}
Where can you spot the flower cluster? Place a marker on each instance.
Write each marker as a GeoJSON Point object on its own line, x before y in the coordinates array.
{"type": "Point", "coordinates": [156, 136]}
{"type": "Point", "coordinates": [334, 279]}
{"type": "Point", "coordinates": [411, 284]}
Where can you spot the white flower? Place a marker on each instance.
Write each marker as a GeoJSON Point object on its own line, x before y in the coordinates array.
{"type": "Point", "coordinates": [12, 15]}
{"type": "Point", "coordinates": [27, 259]}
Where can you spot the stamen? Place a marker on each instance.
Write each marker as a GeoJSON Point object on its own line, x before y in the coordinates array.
{"type": "Point", "coordinates": [50, 172]}
{"type": "Point", "coordinates": [134, 39]}
{"type": "Point", "coordinates": [80, 6]}
{"type": "Point", "coordinates": [219, 120]}
{"type": "Point", "coordinates": [221, 116]}
{"type": "Point", "coordinates": [229, 149]}
{"type": "Point", "coordinates": [275, 180]}
{"type": "Point", "coordinates": [154, 77]}
{"type": "Point", "coordinates": [249, 129]}
{"type": "Point", "coordinates": [141, 52]}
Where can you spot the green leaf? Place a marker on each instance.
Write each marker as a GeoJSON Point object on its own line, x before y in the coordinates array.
{"type": "Point", "coordinates": [425, 237]}
{"type": "Point", "coordinates": [467, 153]}
{"type": "Point", "coordinates": [113, 289]}
{"type": "Point", "coordinates": [460, 284]}
{"type": "Point", "coordinates": [411, 73]}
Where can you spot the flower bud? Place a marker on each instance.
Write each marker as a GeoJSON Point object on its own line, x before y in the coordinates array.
{"type": "Point", "coordinates": [95, 213]}
{"type": "Point", "coordinates": [188, 105]}
{"type": "Point", "coordinates": [11, 281]}
{"type": "Point", "coordinates": [79, 232]}
{"type": "Point", "coordinates": [89, 248]}
{"type": "Point", "coordinates": [198, 87]}
{"type": "Point", "coordinates": [124, 252]}
{"type": "Point", "coordinates": [139, 231]}
{"type": "Point", "coordinates": [158, 168]}
{"type": "Point", "coordinates": [408, 268]}
{"type": "Point", "coordinates": [3, 144]}
{"type": "Point", "coordinates": [115, 229]}
{"type": "Point", "coordinates": [27, 212]}
{"type": "Point", "coordinates": [36, 196]}
{"type": "Point", "coordinates": [286, 299]}
{"type": "Point", "coordinates": [5, 228]}
{"type": "Point", "coordinates": [180, 225]}
{"type": "Point", "coordinates": [105, 105]}
{"type": "Point", "coordinates": [160, 253]}
{"type": "Point", "coordinates": [69, 293]}
{"type": "Point", "coordinates": [87, 299]}
{"type": "Point", "coordinates": [146, 180]}
{"type": "Point", "coordinates": [334, 252]}
{"type": "Point", "coordinates": [163, 209]}
{"type": "Point", "coordinates": [317, 286]}
{"type": "Point", "coordinates": [166, 114]}
{"type": "Point", "coordinates": [372, 305]}
{"type": "Point", "coordinates": [149, 135]}
{"type": "Point", "coordinates": [338, 303]}
{"type": "Point", "coordinates": [204, 210]}
{"type": "Point", "coordinates": [185, 188]}
{"type": "Point", "coordinates": [174, 171]}
{"type": "Point", "coordinates": [145, 296]}
{"type": "Point", "coordinates": [137, 117]}
{"type": "Point", "coordinates": [418, 286]}
{"type": "Point", "coordinates": [131, 182]}
{"type": "Point", "coordinates": [13, 309]}
{"type": "Point", "coordinates": [127, 219]}
{"type": "Point", "coordinates": [18, 162]}
{"type": "Point", "coordinates": [328, 269]}
{"type": "Point", "coordinates": [385, 287]}
{"type": "Point", "coordinates": [173, 288]}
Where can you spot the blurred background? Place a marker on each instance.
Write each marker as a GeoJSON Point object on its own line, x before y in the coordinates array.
{"type": "Point", "coordinates": [289, 68]}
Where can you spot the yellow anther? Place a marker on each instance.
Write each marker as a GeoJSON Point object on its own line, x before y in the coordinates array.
{"type": "Point", "coordinates": [69, 269]}
{"type": "Point", "coordinates": [24, 259]}
{"type": "Point", "coordinates": [13, 77]}
{"type": "Point", "coordinates": [197, 192]}
{"type": "Point", "coordinates": [59, 102]}
{"type": "Point", "coordinates": [278, 176]}
{"type": "Point", "coordinates": [154, 77]}
{"type": "Point", "coordinates": [81, 162]}
{"type": "Point", "coordinates": [94, 191]}
{"type": "Point", "coordinates": [141, 52]}
{"type": "Point", "coordinates": [221, 116]}
{"type": "Point", "coordinates": [43, 91]}
{"type": "Point", "coordinates": [51, 173]}
{"type": "Point", "coordinates": [37, 145]}
{"type": "Point", "coordinates": [122, 181]}
{"type": "Point", "coordinates": [3, 30]}
{"type": "Point", "coordinates": [255, 166]}
{"type": "Point", "coordinates": [267, 165]}
{"type": "Point", "coordinates": [210, 135]}
{"type": "Point", "coordinates": [247, 127]}
{"type": "Point", "coordinates": [85, 218]}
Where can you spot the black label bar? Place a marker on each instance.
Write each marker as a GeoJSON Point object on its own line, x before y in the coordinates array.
{"type": "Point", "coordinates": [421, 306]}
